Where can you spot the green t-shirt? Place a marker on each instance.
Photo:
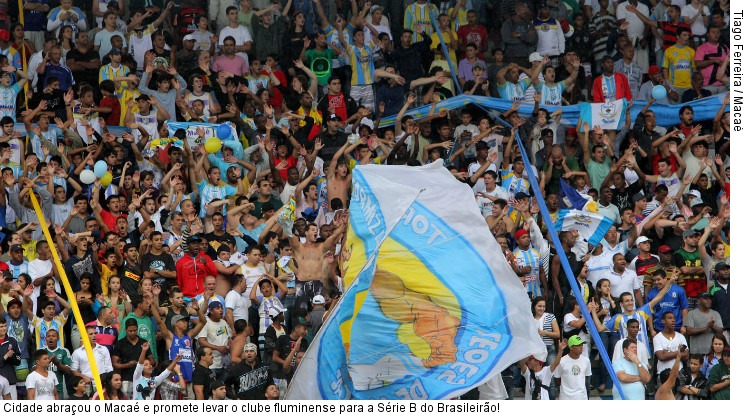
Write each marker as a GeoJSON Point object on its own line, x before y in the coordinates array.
{"type": "Point", "coordinates": [321, 64]}
{"type": "Point", "coordinates": [718, 374]}
{"type": "Point", "coordinates": [598, 171]}
{"type": "Point", "coordinates": [558, 172]}
{"type": "Point", "coordinates": [63, 356]}
{"type": "Point", "coordinates": [145, 330]}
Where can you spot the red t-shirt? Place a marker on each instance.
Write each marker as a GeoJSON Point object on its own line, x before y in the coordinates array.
{"type": "Point", "coordinates": [337, 105]}
{"type": "Point", "coordinates": [113, 118]}
{"type": "Point", "coordinates": [277, 98]}
{"type": "Point", "coordinates": [109, 219]}
{"type": "Point", "coordinates": [291, 161]}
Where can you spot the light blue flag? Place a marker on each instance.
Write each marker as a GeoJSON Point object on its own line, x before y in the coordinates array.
{"type": "Point", "coordinates": [591, 226]}
{"type": "Point", "coordinates": [432, 308]}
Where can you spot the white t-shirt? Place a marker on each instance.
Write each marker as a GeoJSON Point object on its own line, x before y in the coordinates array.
{"type": "Point", "coordinates": [61, 212]}
{"type": "Point", "coordinates": [38, 268]}
{"type": "Point", "coordinates": [485, 204]}
{"type": "Point", "coordinates": [202, 41]}
{"type": "Point", "coordinates": [238, 304]}
{"type": "Point", "coordinates": [573, 375]}
{"type": "Point", "coordinates": [480, 185]}
{"type": "Point", "coordinates": [4, 387]}
{"type": "Point", "coordinates": [252, 275]}
{"type": "Point", "coordinates": [661, 343]}
{"type": "Point", "coordinates": [543, 376]}
{"type": "Point", "coordinates": [217, 333]}
{"type": "Point", "coordinates": [45, 387]}
{"type": "Point", "coordinates": [698, 26]}
{"type": "Point", "coordinates": [241, 35]}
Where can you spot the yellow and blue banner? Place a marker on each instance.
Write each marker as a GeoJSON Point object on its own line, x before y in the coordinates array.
{"type": "Point", "coordinates": [432, 308]}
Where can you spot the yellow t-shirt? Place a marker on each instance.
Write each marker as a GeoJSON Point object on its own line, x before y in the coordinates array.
{"type": "Point", "coordinates": [125, 96]}
{"type": "Point", "coordinates": [681, 63]}
{"type": "Point", "coordinates": [29, 250]}
{"type": "Point", "coordinates": [447, 40]}
{"type": "Point", "coordinates": [106, 274]}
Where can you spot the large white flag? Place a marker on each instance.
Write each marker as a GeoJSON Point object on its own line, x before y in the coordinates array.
{"type": "Point", "coordinates": [432, 308]}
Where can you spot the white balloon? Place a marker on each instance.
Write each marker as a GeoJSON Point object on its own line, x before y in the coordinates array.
{"type": "Point", "coordinates": [87, 176]}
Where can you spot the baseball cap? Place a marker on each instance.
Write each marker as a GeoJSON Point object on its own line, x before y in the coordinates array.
{"type": "Point", "coordinates": [654, 69]}
{"type": "Point", "coordinates": [318, 300]}
{"type": "Point", "coordinates": [521, 195]}
{"type": "Point", "coordinates": [4, 35]}
{"type": "Point", "coordinates": [14, 302]}
{"type": "Point", "coordinates": [575, 340]}
{"type": "Point", "coordinates": [275, 312]}
{"type": "Point", "coordinates": [690, 233]}
{"type": "Point", "coordinates": [722, 266]}
{"type": "Point", "coordinates": [704, 295]}
{"type": "Point", "coordinates": [546, 132]}
{"type": "Point", "coordinates": [16, 247]}
{"type": "Point", "coordinates": [607, 57]}
{"type": "Point", "coordinates": [374, 8]}
{"type": "Point", "coordinates": [639, 196]}
{"type": "Point", "coordinates": [216, 384]}
{"type": "Point", "coordinates": [177, 318]}
{"type": "Point", "coordinates": [543, 4]}
{"type": "Point", "coordinates": [115, 51]}
{"type": "Point", "coordinates": [189, 37]}
{"type": "Point", "coordinates": [250, 347]}
{"type": "Point", "coordinates": [665, 249]}
{"type": "Point", "coordinates": [535, 56]}
{"type": "Point", "coordinates": [214, 304]}
{"type": "Point", "coordinates": [334, 117]}
{"type": "Point", "coordinates": [536, 359]}
{"type": "Point", "coordinates": [643, 239]}
{"type": "Point", "coordinates": [193, 238]}
{"type": "Point", "coordinates": [571, 132]}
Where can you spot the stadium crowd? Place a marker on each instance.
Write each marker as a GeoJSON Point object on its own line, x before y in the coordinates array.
{"type": "Point", "coordinates": [191, 277]}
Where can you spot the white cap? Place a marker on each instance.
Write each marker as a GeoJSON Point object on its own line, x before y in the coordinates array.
{"type": "Point", "coordinates": [535, 56]}
{"type": "Point", "coordinates": [695, 193]}
{"type": "Point", "coordinates": [641, 240]}
{"type": "Point", "coordinates": [318, 300]}
{"type": "Point", "coordinates": [274, 312]}
{"type": "Point", "coordinates": [189, 37]}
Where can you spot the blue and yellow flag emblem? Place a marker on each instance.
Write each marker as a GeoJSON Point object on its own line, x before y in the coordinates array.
{"type": "Point", "coordinates": [432, 308]}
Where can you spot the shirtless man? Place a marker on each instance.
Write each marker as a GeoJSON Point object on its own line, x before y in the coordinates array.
{"type": "Point", "coordinates": [339, 177]}
{"type": "Point", "coordinates": [309, 257]}
{"type": "Point", "coordinates": [665, 392]}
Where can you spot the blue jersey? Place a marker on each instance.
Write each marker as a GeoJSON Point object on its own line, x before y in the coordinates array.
{"type": "Point", "coordinates": [674, 301]}
{"type": "Point", "coordinates": [182, 345]}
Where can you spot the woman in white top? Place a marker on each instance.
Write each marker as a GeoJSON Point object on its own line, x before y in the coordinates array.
{"type": "Point", "coordinates": [547, 326]}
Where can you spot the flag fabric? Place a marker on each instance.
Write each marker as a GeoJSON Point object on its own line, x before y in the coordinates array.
{"type": "Point", "coordinates": [591, 226]}
{"type": "Point", "coordinates": [607, 115]}
{"type": "Point", "coordinates": [432, 308]}
{"type": "Point", "coordinates": [570, 198]}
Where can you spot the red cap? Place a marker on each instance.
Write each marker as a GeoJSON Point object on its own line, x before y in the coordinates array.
{"type": "Point", "coordinates": [519, 233]}
{"type": "Point", "coordinates": [571, 132]}
{"type": "Point", "coordinates": [665, 249]}
{"type": "Point", "coordinates": [654, 69]}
